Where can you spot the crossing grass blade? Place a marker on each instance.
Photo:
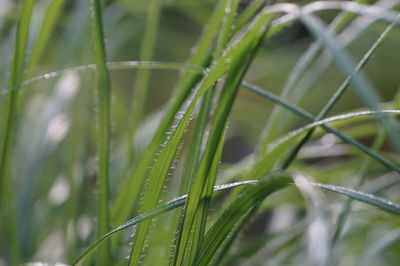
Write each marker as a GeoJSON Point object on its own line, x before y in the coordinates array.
{"type": "Point", "coordinates": [338, 94]}
{"type": "Point", "coordinates": [173, 204]}
{"type": "Point", "coordinates": [127, 198]}
{"type": "Point", "coordinates": [360, 84]}
{"type": "Point", "coordinates": [311, 118]}
{"type": "Point", "coordinates": [103, 128]}
{"type": "Point", "coordinates": [271, 131]}
{"type": "Point", "coordinates": [196, 209]}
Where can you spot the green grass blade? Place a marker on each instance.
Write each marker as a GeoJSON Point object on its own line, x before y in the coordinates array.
{"type": "Point", "coordinates": [8, 130]}
{"type": "Point", "coordinates": [199, 195]}
{"type": "Point", "coordinates": [111, 66]}
{"type": "Point", "coordinates": [235, 211]}
{"type": "Point", "coordinates": [337, 133]}
{"type": "Point", "coordinates": [339, 92]}
{"type": "Point", "coordinates": [146, 54]}
{"type": "Point", "coordinates": [370, 199]}
{"type": "Point", "coordinates": [362, 87]}
{"type": "Point", "coordinates": [364, 169]}
{"type": "Point", "coordinates": [103, 127]}
{"type": "Point", "coordinates": [271, 131]}
{"type": "Point", "coordinates": [173, 204]}
{"type": "Point", "coordinates": [265, 162]}
{"type": "Point", "coordinates": [51, 16]}
{"type": "Point", "coordinates": [126, 199]}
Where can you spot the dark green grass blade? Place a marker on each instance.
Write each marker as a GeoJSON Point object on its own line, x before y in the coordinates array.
{"type": "Point", "coordinates": [103, 127]}
{"type": "Point", "coordinates": [337, 133]}
{"type": "Point", "coordinates": [271, 131]}
{"type": "Point", "coordinates": [364, 169]}
{"type": "Point", "coordinates": [369, 199]}
{"type": "Point", "coordinates": [178, 202]}
{"type": "Point", "coordinates": [360, 84]}
{"type": "Point", "coordinates": [336, 96]}
{"type": "Point", "coordinates": [265, 162]}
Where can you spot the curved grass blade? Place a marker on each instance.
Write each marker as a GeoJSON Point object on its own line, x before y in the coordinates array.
{"type": "Point", "coordinates": [251, 195]}
{"type": "Point", "coordinates": [311, 118]}
{"type": "Point", "coordinates": [235, 211]}
{"type": "Point", "coordinates": [103, 127]}
{"type": "Point", "coordinates": [126, 199]}
{"type": "Point", "coordinates": [339, 92]}
{"type": "Point", "coordinates": [173, 204]}
{"type": "Point", "coordinates": [111, 66]}
{"type": "Point", "coordinates": [364, 169]}
{"type": "Point", "coordinates": [370, 199]}
{"type": "Point", "coordinates": [265, 162]}
{"type": "Point", "coordinates": [361, 85]}
{"type": "Point", "coordinates": [270, 131]}
{"type": "Point", "coordinates": [201, 189]}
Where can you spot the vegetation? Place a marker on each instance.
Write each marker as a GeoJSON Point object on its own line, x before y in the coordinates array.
{"type": "Point", "coordinates": [273, 141]}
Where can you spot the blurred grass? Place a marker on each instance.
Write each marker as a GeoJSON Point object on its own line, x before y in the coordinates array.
{"type": "Point", "coordinates": [203, 111]}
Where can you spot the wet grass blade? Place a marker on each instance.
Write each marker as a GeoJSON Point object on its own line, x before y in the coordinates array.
{"type": "Point", "coordinates": [103, 128]}
{"type": "Point", "coordinates": [173, 204]}
{"type": "Point", "coordinates": [360, 84]}
{"type": "Point", "coordinates": [369, 199]}
{"type": "Point", "coordinates": [126, 199]}
{"type": "Point", "coordinates": [337, 95]}
{"type": "Point", "coordinates": [271, 131]}
{"type": "Point", "coordinates": [327, 128]}
{"type": "Point", "coordinates": [235, 211]}
{"type": "Point", "coordinates": [200, 193]}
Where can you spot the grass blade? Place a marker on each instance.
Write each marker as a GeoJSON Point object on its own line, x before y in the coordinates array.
{"type": "Point", "coordinates": [173, 204]}
{"type": "Point", "coordinates": [370, 199]}
{"type": "Point", "coordinates": [339, 92]}
{"type": "Point", "coordinates": [8, 128]}
{"type": "Point", "coordinates": [362, 87]}
{"type": "Point", "coordinates": [337, 133]}
{"type": "Point", "coordinates": [48, 24]}
{"type": "Point", "coordinates": [146, 54]}
{"type": "Point", "coordinates": [103, 127]}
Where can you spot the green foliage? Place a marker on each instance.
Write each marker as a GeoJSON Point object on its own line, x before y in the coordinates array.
{"type": "Point", "coordinates": [166, 169]}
